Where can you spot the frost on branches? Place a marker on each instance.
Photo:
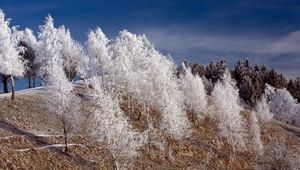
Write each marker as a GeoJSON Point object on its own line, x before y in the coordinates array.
{"type": "Point", "coordinates": [112, 126]}
{"type": "Point", "coordinates": [59, 97]}
{"type": "Point", "coordinates": [57, 45]}
{"type": "Point", "coordinates": [194, 92]}
{"type": "Point", "coordinates": [29, 38]}
{"type": "Point", "coordinates": [25, 40]}
{"type": "Point", "coordinates": [25, 36]}
{"type": "Point", "coordinates": [225, 100]}
{"type": "Point", "coordinates": [257, 145]}
{"type": "Point", "coordinates": [136, 69]}
{"type": "Point", "coordinates": [283, 105]}
{"type": "Point", "coordinates": [100, 60]}
{"type": "Point", "coordinates": [263, 110]}
{"type": "Point", "coordinates": [10, 61]}
{"type": "Point", "coordinates": [49, 50]}
{"type": "Point", "coordinates": [73, 54]}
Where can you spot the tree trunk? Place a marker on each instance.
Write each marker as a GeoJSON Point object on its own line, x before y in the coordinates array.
{"type": "Point", "coordinates": [69, 75]}
{"type": "Point", "coordinates": [5, 86]}
{"type": "Point", "coordinates": [29, 82]}
{"type": "Point", "coordinates": [65, 136]}
{"type": "Point", "coordinates": [128, 102]}
{"type": "Point", "coordinates": [12, 82]}
{"type": "Point", "coordinates": [116, 166]}
{"type": "Point", "coordinates": [33, 82]}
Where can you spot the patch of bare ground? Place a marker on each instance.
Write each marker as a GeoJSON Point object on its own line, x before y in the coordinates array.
{"type": "Point", "coordinates": [31, 138]}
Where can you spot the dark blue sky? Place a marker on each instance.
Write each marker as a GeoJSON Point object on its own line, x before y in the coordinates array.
{"type": "Point", "coordinates": [265, 31]}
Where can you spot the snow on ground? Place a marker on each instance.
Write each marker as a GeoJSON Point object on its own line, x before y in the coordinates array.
{"type": "Point", "coordinates": [31, 91]}
{"type": "Point", "coordinates": [25, 91]}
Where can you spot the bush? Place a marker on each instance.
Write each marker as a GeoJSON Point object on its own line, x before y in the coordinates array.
{"type": "Point", "coordinates": [278, 156]}
{"type": "Point", "coordinates": [263, 110]}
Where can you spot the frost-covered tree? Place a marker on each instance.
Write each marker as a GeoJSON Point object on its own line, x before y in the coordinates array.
{"type": "Point", "coordinates": [59, 98]}
{"type": "Point", "coordinates": [27, 43]}
{"type": "Point", "coordinates": [152, 78]}
{"type": "Point", "coordinates": [29, 38]}
{"type": "Point", "coordinates": [196, 69]}
{"type": "Point", "coordinates": [225, 100]}
{"type": "Point", "coordinates": [10, 60]}
{"type": "Point", "coordinates": [74, 58]}
{"type": "Point", "coordinates": [283, 105]}
{"type": "Point", "coordinates": [60, 44]}
{"type": "Point", "coordinates": [111, 125]}
{"type": "Point", "coordinates": [97, 46]}
{"type": "Point", "coordinates": [29, 56]}
{"type": "Point", "coordinates": [194, 92]}
{"type": "Point", "coordinates": [49, 47]}
{"type": "Point", "coordinates": [131, 65]}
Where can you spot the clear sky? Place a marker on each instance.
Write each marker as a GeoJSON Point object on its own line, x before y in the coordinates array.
{"type": "Point", "coordinates": [265, 31]}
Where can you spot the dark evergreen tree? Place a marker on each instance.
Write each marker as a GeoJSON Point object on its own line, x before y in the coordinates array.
{"type": "Point", "coordinates": [248, 81]}
{"type": "Point", "coordinates": [294, 88]}
{"type": "Point", "coordinates": [276, 80]}
{"type": "Point", "coordinates": [215, 71]}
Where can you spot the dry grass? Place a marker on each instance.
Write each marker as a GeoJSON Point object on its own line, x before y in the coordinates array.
{"type": "Point", "coordinates": [23, 119]}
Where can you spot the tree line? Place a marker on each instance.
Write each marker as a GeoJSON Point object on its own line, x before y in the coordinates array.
{"type": "Point", "coordinates": [250, 80]}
